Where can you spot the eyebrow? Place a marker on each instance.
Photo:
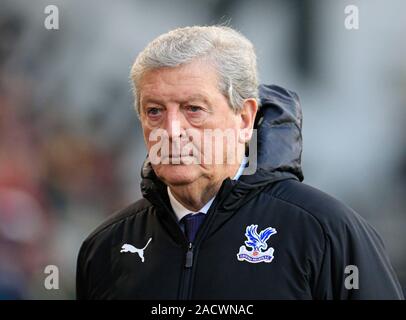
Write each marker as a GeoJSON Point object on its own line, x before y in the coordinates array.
{"type": "Point", "coordinates": [150, 99]}
{"type": "Point", "coordinates": [194, 97]}
{"type": "Point", "coordinates": [199, 97]}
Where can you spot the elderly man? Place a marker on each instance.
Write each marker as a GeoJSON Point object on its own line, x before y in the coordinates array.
{"type": "Point", "coordinates": [209, 226]}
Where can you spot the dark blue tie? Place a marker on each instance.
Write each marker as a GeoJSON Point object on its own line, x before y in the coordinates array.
{"type": "Point", "coordinates": [192, 223]}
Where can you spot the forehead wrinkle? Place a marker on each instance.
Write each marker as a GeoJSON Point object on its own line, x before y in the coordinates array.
{"type": "Point", "coordinates": [178, 85]}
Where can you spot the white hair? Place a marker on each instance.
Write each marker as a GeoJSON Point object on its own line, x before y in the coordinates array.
{"type": "Point", "coordinates": [232, 55]}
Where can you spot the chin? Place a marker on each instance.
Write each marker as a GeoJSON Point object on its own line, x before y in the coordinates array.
{"type": "Point", "coordinates": [177, 174]}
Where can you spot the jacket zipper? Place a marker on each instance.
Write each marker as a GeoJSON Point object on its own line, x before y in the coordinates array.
{"type": "Point", "coordinates": [190, 256]}
{"type": "Point", "coordinates": [187, 272]}
{"type": "Point", "coordinates": [187, 267]}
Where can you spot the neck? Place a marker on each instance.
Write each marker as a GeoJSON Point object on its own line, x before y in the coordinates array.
{"type": "Point", "coordinates": [194, 198]}
{"type": "Point", "coordinates": [195, 195]}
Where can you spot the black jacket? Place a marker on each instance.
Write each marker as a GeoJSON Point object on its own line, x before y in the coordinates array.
{"type": "Point", "coordinates": [316, 236]}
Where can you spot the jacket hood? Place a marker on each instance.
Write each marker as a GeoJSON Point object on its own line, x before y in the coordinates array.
{"type": "Point", "coordinates": [278, 127]}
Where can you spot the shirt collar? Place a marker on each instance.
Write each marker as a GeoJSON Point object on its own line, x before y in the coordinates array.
{"type": "Point", "coordinates": [181, 211]}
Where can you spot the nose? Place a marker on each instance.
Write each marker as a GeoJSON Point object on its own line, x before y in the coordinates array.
{"type": "Point", "coordinates": [174, 124]}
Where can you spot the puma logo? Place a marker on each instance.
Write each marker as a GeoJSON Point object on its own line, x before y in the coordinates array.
{"type": "Point", "coordinates": [131, 249]}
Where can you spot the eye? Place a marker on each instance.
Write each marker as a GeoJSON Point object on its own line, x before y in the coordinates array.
{"type": "Point", "coordinates": [153, 111]}
{"type": "Point", "coordinates": [195, 113]}
{"type": "Point", "coordinates": [194, 109]}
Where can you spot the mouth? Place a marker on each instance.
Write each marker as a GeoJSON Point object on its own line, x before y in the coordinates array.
{"type": "Point", "coordinates": [178, 155]}
{"type": "Point", "coordinates": [178, 159]}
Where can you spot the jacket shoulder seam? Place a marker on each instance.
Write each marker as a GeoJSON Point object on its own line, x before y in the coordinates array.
{"type": "Point", "coordinates": [324, 233]}
{"type": "Point", "coordinates": [116, 218]}
{"type": "Point", "coordinates": [304, 210]}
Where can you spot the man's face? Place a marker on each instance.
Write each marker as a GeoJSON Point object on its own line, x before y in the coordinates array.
{"type": "Point", "coordinates": [185, 102]}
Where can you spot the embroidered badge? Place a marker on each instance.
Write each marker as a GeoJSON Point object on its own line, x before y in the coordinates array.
{"type": "Point", "coordinates": [257, 242]}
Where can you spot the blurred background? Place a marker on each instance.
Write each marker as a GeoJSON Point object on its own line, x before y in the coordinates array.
{"type": "Point", "coordinates": [71, 146]}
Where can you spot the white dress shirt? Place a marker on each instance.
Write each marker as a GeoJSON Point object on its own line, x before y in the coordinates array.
{"type": "Point", "coordinates": [181, 211]}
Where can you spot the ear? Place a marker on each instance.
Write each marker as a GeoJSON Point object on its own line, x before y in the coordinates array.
{"type": "Point", "coordinates": [247, 117]}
